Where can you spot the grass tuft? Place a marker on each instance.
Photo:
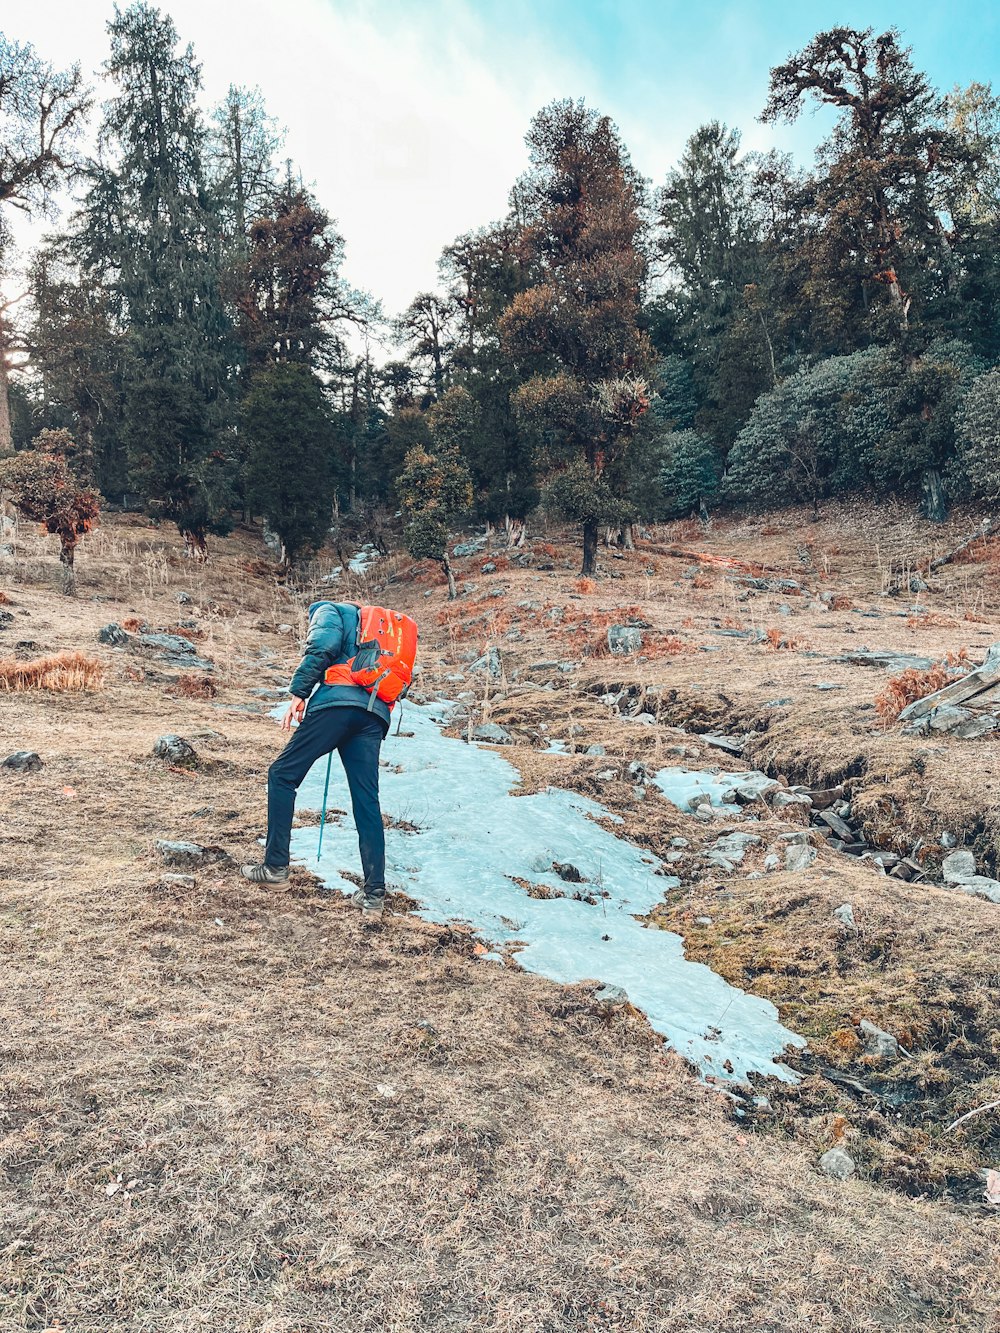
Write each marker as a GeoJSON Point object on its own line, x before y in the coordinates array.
{"type": "Point", "coordinates": [60, 671]}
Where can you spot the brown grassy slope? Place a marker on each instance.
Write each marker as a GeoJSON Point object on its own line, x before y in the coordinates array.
{"type": "Point", "coordinates": [317, 1127]}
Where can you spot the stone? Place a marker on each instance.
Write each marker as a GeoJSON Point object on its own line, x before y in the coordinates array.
{"type": "Point", "coordinates": [113, 635]}
{"type": "Point", "coordinates": [469, 548]}
{"type": "Point", "coordinates": [729, 850]}
{"type": "Point", "coordinates": [782, 800]}
{"type": "Point", "coordinates": [771, 861]}
{"type": "Point", "coordinates": [623, 640]}
{"type": "Point", "coordinates": [176, 750]}
{"type": "Point", "coordinates": [836, 825]}
{"type": "Point", "coordinates": [731, 744]}
{"type": "Point", "coordinates": [490, 662]}
{"type": "Point", "coordinates": [798, 857]}
{"type": "Point", "coordinates": [176, 881]}
{"type": "Point", "coordinates": [488, 568]}
{"type": "Point", "coordinates": [637, 771]}
{"type": "Point", "coordinates": [184, 599]}
{"type": "Point", "coordinates": [845, 915]}
{"type": "Point", "coordinates": [173, 644]}
{"type": "Point", "coordinates": [917, 584]}
{"type": "Point", "coordinates": [703, 921]}
{"type": "Point", "coordinates": [607, 775]}
{"type": "Point", "coordinates": [878, 1042]}
{"type": "Point", "coordinates": [187, 855]}
{"type": "Point", "coordinates": [838, 1163]}
{"type": "Point", "coordinates": [611, 996]}
{"type": "Point", "coordinates": [596, 750]}
{"type": "Point", "coordinates": [959, 866]}
{"type": "Point", "coordinates": [492, 734]}
{"type": "Point", "coordinates": [679, 842]}
{"type": "Point", "coordinates": [23, 761]}
{"type": "Point", "coordinates": [566, 667]}
{"type": "Point", "coordinates": [646, 718]}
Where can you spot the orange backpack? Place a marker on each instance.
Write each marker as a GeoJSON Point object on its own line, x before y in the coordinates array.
{"type": "Point", "coordinates": [384, 655]}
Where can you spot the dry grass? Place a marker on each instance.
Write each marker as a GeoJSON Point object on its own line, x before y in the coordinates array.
{"type": "Point", "coordinates": [913, 684]}
{"type": "Point", "coordinates": [191, 686]}
{"type": "Point", "coordinates": [235, 1108]}
{"type": "Point", "coordinates": [68, 671]}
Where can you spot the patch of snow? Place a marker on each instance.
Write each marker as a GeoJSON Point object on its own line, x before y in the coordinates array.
{"type": "Point", "coordinates": [681, 785]}
{"type": "Point", "coordinates": [359, 563]}
{"type": "Point", "coordinates": [476, 836]}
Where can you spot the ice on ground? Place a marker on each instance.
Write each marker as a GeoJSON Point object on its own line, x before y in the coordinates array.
{"type": "Point", "coordinates": [475, 837]}
{"type": "Point", "coordinates": [359, 563]}
{"type": "Point", "coordinates": [681, 785]}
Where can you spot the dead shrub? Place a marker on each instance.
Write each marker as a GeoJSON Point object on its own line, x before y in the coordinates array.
{"type": "Point", "coordinates": [191, 686]}
{"type": "Point", "coordinates": [134, 625]}
{"type": "Point", "coordinates": [585, 585]}
{"type": "Point", "coordinates": [547, 549]}
{"type": "Point", "coordinates": [186, 632]}
{"type": "Point", "coordinates": [913, 684]}
{"type": "Point", "coordinates": [841, 602]}
{"type": "Point", "coordinates": [59, 671]}
{"type": "Point", "coordinates": [931, 619]}
{"type": "Point", "coordinates": [779, 641]}
{"type": "Point", "coordinates": [664, 645]}
{"type": "Point", "coordinates": [4, 599]}
{"type": "Point", "coordinates": [702, 581]}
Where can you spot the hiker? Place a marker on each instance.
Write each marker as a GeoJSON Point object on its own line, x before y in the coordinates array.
{"type": "Point", "coordinates": [344, 642]}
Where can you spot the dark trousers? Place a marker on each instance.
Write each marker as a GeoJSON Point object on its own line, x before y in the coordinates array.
{"type": "Point", "coordinates": [357, 736]}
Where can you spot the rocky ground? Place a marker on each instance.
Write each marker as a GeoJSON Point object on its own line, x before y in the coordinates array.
{"type": "Point", "coordinates": [232, 1107]}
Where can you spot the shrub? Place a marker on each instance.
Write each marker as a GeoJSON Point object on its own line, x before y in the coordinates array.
{"type": "Point", "coordinates": [913, 684]}
{"type": "Point", "coordinates": [60, 671]}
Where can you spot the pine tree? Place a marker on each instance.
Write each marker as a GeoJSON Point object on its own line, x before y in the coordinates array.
{"type": "Point", "coordinates": [434, 486]}
{"type": "Point", "coordinates": [289, 475]}
{"type": "Point", "coordinates": [152, 233]}
{"type": "Point", "coordinates": [577, 326]}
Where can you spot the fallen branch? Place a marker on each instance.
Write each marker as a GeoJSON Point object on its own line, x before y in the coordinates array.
{"type": "Point", "coordinates": [977, 1110]}
{"type": "Point", "coordinates": [985, 529]}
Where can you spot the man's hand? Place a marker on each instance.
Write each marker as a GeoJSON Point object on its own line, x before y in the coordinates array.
{"type": "Point", "coordinates": [294, 714]}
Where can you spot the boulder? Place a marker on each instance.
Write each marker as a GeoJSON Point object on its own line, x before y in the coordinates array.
{"type": "Point", "coordinates": [838, 1163]}
{"type": "Point", "coordinates": [490, 662]}
{"type": "Point", "coordinates": [878, 1042]}
{"type": "Point", "coordinates": [623, 640]}
{"type": "Point", "coordinates": [23, 761]}
{"type": "Point", "coordinates": [782, 800]}
{"type": "Point", "coordinates": [492, 734]}
{"type": "Point", "coordinates": [176, 750]}
{"type": "Point", "coordinates": [174, 644]}
{"type": "Point", "coordinates": [799, 856]}
{"type": "Point", "coordinates": [729, 850]}
{"type": "Point", "coordinates": [469, 548]}
{"type": "Point", "coordinates": [959, 866]}
{"type": "Point", "coordinates": [187, 855]}
{"type": "Point", "coordinates": [610, 997]}
{"type": "Point", "coordinates": [113, 635]}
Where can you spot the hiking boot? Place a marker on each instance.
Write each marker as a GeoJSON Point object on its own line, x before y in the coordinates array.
{"type": "Point", "coordinates": [372, 903]}
{"type": "Point", "coordinates": [263, 874]}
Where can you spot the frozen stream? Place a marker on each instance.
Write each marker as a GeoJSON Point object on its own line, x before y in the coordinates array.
{"type": "Point", "coordinates": [473, 835]}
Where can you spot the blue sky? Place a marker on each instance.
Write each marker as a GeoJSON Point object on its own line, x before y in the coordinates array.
{"type": "Point", "coordinates": [408, 116]}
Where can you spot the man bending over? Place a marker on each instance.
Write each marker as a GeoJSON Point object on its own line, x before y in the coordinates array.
{"type": "Point", "coordinates": [340, 716]}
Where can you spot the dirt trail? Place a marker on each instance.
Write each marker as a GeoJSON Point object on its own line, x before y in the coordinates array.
{"type": "Point", "coordinates": [225, 1107]}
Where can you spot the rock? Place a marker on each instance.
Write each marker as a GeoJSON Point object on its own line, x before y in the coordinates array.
{"type": "Point", "coordinates": [646, 718]}
{"type": "Point", "coordinates": [566, 667]}
{"type": "Point", "coordinates": [771, 861]}
{"type": "Point", "coordinates": [567, 872]}
{"type": "Point", "coordinates": [489, 662]}
{"type": "Point", "coordinates": [597, 750]}
{"type": "Point", "coordinates": [611, 997]}
{"type": "Point", "coordinates": [184, 599]}
{"type": "Point", "coordinates": [469, 548]}
{"type": "Point", "coordinates": [174, 644]}
{"type": "Point", "coordinates": [285, 629]}
{"type": "Point", "coordinates": [187, 855]}
{"type": "Point", "coordinates": [838, 1163]}
{"type": "Point", "coordinates": [114, 635]}
{"type": "Point", "coordinates": [679, 842]}
{"type": "Point", "coordinates": [845, 915]}
{"type": "Point", "coordinates": [488, 568]}
{"type": "Point", "coordinates": [607, 775]}
{"type": "Point", "coordinates": [169, 882]}
{"type": "Point", "coordinates": [176, 750]}
{"type": "Point", "coordinates": [878, 1042]}
{"type": "Point", "coordinates": [492, 734]}
{"type": "Point", "coordinates": [917, 584]}
{"type": "Point", "coordinates": [782, 800]}
{"type": "Point", "coordinates": [623, 640]}
{"type": "Point", "coordinates": [637, 771]}
{"type": "Point", "coordinates": [959, 867]}
{"type": "Point", "coordinates": [948, 839]}
{"type": "Point", "coordinates": [729, 850]}
{"type": "Point", "coordinates": [731, 744]}
{"type": "Point", "coordinates": [836, 824]}
{"type": "Point", "coordinates": [798, 857]}
{"type": "Point", "coordinates": [703, 921]}
{"type": "Point", "coordinates": [23, 761]}
{"type": "Point", "coordinates": [555, 614]}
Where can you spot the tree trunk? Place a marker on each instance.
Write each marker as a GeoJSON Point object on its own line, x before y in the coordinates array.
{"type": "Point", "coordinates": [67, 550]}
{"type": "Point", "coordinates": [452, 590]}
{"type": "Point", "coordinates": [589, 546]}
{"type": "Point", "coordinates": [935, 499]}
{"type": "Point", "coordinates": [6, 434]}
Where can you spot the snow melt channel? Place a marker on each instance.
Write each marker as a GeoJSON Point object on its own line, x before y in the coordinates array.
{"type": "Point", "coordinates": [474, 836]}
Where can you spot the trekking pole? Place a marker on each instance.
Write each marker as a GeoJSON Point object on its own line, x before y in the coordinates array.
{"type": "Point", "coordinates": [322, 817]}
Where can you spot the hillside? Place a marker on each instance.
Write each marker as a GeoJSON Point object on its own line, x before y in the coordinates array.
{"type": "Point", "coordinates": [231, 1107]}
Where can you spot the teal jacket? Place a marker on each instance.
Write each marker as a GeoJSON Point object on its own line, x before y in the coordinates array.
{"type": "Point", "coordinates": [332, 637]}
